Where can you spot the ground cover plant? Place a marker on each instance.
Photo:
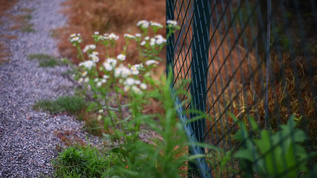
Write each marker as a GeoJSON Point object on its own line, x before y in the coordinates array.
{"type": "Point", "coordinates": [75, 105]}
{"type": "Point", "coordinates": [23, 21]}
{"type": "Point", "coordinates": [70, 104]}
{"type": "Point", "coordinates": [46, 60]}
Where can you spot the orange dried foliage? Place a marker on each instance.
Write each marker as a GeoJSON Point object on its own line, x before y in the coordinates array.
{"type": "Point", "coordinates": [4, 6]}
{"type": "Point", "coordinates": [119, 17]}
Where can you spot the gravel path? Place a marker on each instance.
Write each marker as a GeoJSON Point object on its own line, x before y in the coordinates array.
{"type": "Point", "coordinates": [28, 139]}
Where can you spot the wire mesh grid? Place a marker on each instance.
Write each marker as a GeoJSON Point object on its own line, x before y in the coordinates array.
{"type": "Point", "coordinates": [253, 59]}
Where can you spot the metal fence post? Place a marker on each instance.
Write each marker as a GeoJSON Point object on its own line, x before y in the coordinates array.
{"type": "Point", "coordinates": [169, 48]}
{"type": "Point", "coordinates": [200, 40]}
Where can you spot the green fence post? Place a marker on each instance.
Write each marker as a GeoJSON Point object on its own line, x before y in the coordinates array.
{"type": "Point", "coordinates": [199, 66]}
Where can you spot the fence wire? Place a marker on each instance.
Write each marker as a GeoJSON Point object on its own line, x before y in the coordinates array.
{"type": "Point", "coordinates": [251, 58]}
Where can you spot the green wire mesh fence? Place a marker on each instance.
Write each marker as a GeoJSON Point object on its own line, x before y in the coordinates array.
{"type": "Point", "coordinates": [247, 60]}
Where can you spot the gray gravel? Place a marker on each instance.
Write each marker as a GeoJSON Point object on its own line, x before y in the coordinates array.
{"type": "Point", "coordinates": [28, 139]}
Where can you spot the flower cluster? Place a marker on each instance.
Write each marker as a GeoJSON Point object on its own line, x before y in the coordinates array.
{"type": "Point", "coordinates": [134, 85]}
{"type": "Point", "coordinates": [171, 23]}
{"type": "Point", "coordinates": [128, 36]}
{"type": "Point", "coordinates": [94, 56]}
{"type": "Point", "coordinates": [115, 73]}
{"type": "Point", "coordinates": [143, 24]}
{"type": "Point", "coordinates": [89, 48]}
{"type": "Point", "coordinates": [75, 39]}
{"type": "Point", "coordinates": [110, 64]}
{"type": "Point", "coordinates": [87, 64]}
{"type": "Point", "coordinates": [155, 24]}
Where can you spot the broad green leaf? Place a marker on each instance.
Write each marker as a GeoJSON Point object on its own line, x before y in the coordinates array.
{"type": "Point", "coordinates": [263, 143]}
{"type": "Point", "coordinates": [253, 124]}
{"type": "Point", "coordinates": [244, 154]}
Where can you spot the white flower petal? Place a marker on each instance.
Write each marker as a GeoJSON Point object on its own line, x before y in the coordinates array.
{"type": "Point", "coordinates": [121, 57]}
{"type": "Point", "coordinates": [150, 62]}
{"type": "Point", "coordinates": [143, 86]}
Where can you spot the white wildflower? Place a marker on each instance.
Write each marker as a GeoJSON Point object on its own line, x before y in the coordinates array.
{"type": "Point", "coordinates": [160, 39]}
{"type": "Point", "coordinates": [110, 64]}
{"type": "Point", "coordinates": [105, 36]}
{"type": "Point", "coordinates": [126, 88]}
{"type": "Point", "coordinates": [135, 68]}
{"type": "Point", "coordinates": [143, 86]}
{"type": "Point", "coordinates": [107, 66]}
{"type": "Point", "coordinates": [75, 39]}
{"type": "Point", "coordinates": [142, 43]}
{"type": "Point", "coordinates": [99, 117]}
{"type": "Point", "coordinates": [113, 36]}
{"type": "Point", "coordinates": [146, 38]}
{"type": "Point", "coordinates": [86, 80]}
{"type": "Point", "coordinates": [96, 33]}
{"type": "Point", "coordinates": [99, 84]}
{"type": "Point", "coordinates": [103, 80]}
{"type": "Point", "coordinates": [128, 36]}
{"type": "Point", "coordinates": [84, 73]}
{"type": "Point", "coordinates": [155, 24]}
{"type": "Point", "coordinates": [122, 71]}
{"type": "Point", "coordinates": [150, 62]}
{"type": "Point", "coordinates": [112, 61]}
{"type": "Point", "coordinates": [100, 111]}
{"type": "Point", "coordinates": [172, 23]}
{"type": "Point", "coordinates": [94, 58]}
{"type": "Point", "coordinates": [121, 57]}
{"type": "Point", "coordinates": [138, 35]}
{"type": "Point", "coordinates": [136, 89]}
{"type": "Point", "coordinates": [129, 81]}
{"type": "Point", "coordinates": [89, 47]}
{"type": "Point", "coordinates": [143, 24]}
{"type": "Point", "coordinates": [135, 71]}
{"type": "Point", "coordinates": [73, 35]}
{"type": "Point", "coordinates": [137, 82]}
{"type": "Point", "coordinates": [88, 64]}
{"type": "Point", "coordinates": [80, 80]}
{"type": "Point", "coordinates": [152, 41]}
{"type": "Point", "coordinates": [138, 66]}
{"type": "Point", "coordinates": [105, 76]}
{"type": "Point", "coordinates": [96, 80]}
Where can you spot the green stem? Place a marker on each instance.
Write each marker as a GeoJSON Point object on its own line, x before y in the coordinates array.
{"type": "Point", "coordinates": [81, 53]}
{"type": "Point", "coordinates": [112, 122]}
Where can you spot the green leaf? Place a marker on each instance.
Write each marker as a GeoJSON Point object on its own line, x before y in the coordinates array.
{"type": "Point", "coordinates": [125, 119]}
{"type": "Point", "coordinates": [91, 106]}
{"type": "Point", "coordinates": [193, 157]}
{"type": "Point", "coordinates": [253, 124]}
{"type": "Point", "coordinates": [299, 136]}
{"type": "Point", "coordinates": [263, 143]}
{"type": "Point", "coordinates": [244, 154]}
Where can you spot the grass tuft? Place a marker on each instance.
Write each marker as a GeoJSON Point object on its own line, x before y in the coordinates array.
{"type": "Point", "coordinates": [28, 28]}
{"type": "Point", "coordinates": [70, 104]}
{"type": "Point", "coordinates": [83, 162]}
{"type": "Point", "coordinates": [23, 23]}
{"type": "Point", "coordinates": [45, 60]}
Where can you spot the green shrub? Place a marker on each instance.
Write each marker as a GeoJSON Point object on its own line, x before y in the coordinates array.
{"type": "Point", "coordinates": [78, 161]}
{"type": "Point", "coordinates": [70, 104]}
{"type": "Point", "coordinates": [272, 154]}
